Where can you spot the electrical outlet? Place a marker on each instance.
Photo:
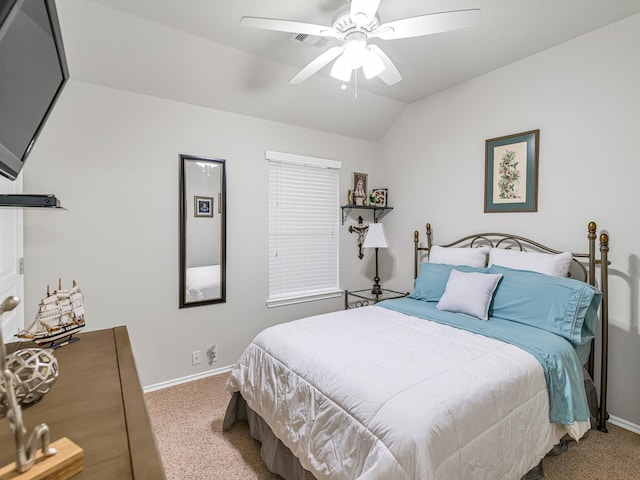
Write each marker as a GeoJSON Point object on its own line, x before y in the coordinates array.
{"type": "Point", "coordinates": [195, 358]}
{"type": "Point", "coordinates": [212, 354]}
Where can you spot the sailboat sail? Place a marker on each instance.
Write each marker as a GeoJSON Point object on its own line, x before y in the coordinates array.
{"type": "Point", "coordinates": [60, 315]}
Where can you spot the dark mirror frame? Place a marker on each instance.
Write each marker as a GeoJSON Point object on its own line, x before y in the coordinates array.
{"type": "Point", "coordinates": [220, 210]}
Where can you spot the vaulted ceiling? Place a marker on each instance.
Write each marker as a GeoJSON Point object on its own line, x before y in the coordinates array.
{"type": "Point", "coordinates": [197, 52]}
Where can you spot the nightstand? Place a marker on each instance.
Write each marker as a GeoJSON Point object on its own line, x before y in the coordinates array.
{"type": "Point", "coordinates": [362, 298]}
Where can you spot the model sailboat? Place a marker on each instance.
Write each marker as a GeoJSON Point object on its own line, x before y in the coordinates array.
{"type": "Point", "coordinates": [60, 315]}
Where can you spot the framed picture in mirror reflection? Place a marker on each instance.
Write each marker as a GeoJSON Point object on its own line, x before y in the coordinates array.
{"type": "Point", "coordinates": [203, 206]}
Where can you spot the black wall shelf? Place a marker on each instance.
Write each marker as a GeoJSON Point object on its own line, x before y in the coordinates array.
{"type": "Point", "coordinates": [29, 200]}
{"type": "Point", "coordinates": [377, 211]}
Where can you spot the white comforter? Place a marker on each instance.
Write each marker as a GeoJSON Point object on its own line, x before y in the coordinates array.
{"type": "Point", "coordinates": [371, 393]}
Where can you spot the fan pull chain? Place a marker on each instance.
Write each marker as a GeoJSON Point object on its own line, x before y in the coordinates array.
{"type": "Point", "coordinates": [355, 85]}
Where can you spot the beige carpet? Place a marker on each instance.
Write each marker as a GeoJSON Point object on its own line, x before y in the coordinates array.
{"type": "Point", "coordinates": [187, 420]}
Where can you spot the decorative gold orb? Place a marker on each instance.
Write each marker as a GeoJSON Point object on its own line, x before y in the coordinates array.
{"type": "Point", "coordinates": [35, 371]}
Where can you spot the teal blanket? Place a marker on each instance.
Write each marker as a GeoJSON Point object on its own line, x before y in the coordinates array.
{"type": "Point", "coordinates": [562, 369]}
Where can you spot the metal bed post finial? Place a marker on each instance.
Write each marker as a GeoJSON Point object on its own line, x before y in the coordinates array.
{"type": "Point", "coordinates": [592, 281]}
{"type": "Point", "coordinates": [415, 254]}
{"type": "Point", "coordinates": [604, 284]}
{"type": "Point", "coordinates": [592, 252]}
{"type": "Point", "coordinates": [417, 248]}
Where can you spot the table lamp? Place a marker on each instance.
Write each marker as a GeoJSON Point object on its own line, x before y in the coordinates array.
{"type": "Point", "coordinates": [376, 239]}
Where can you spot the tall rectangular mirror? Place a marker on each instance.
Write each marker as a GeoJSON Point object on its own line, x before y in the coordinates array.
{"type": "Point", "coordinates": [202, 231]}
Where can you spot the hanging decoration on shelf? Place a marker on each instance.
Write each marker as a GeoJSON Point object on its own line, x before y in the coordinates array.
{"type": "Point", "coordinates": [360, 229]}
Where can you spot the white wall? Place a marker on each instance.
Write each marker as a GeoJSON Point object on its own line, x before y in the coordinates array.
{"type": "Point", "coordinates": [584, 98]}
{"type": "Point", "coordinates": [111, 157]}
{"type": "Point", "coordinates": [11, 250]}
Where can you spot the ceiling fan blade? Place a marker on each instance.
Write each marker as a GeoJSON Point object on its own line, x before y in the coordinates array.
{"type": "Point", "coordinates": [316, 65]}
{"type": "Point", "coordinates": [427, 24]}
{"type": "Point", "coordinates": [366, 8]}
{"type": "Point", "coordinates": [390, 75]}
{"type": "Point", "coordinates": [290, 26]}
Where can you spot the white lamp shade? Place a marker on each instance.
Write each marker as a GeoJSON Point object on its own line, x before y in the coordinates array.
{"type": "Point", "coordinates": [375, 237]}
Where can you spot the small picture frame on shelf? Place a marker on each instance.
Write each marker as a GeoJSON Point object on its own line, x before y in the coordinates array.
{"type": "Point", "coordinates": [380, 195]}
{"type": "Point", "coordinates": [350, 199]}
{"type": "Point", "coordinates": [359, 182]}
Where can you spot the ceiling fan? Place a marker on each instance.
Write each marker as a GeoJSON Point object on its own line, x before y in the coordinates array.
{"type": "Point", "coordinates": [354, 24]}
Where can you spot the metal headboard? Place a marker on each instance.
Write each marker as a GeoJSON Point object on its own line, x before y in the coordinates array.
{"type": "Point", "coordinates": [580, 271]}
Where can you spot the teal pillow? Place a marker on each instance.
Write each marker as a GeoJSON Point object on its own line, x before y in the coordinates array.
{"type": "Point", "coordinates": [559, 305]}
{"type": "Point", "coordinates": [433, 277]}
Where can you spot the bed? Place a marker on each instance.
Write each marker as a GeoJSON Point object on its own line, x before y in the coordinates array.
{"type": "Point", "coordinates": [477, 374]}
{"type": "Point", "coordinates": [203, 283]}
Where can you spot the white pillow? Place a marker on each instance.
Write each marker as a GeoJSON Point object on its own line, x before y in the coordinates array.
{"type": "Point", "coordinates": [469, 293]}
{"type": "Point", "coordinates": [472, 257]}
{"type": "Point", "coordinates": [552, 264]}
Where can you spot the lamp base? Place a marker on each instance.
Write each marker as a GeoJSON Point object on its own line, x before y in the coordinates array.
{"type": "Point", "coordinates": [377, 289]}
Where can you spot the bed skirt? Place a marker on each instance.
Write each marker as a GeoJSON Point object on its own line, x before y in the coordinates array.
{"type": "Point", "coordinates": [276, 456]}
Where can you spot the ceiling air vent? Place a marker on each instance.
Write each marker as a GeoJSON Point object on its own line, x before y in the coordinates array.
{"type": "Point", "coordinates": [312, 40]}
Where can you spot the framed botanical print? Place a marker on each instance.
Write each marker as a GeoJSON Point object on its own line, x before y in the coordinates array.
{"type": "Point", "coordinates": [511, 173]}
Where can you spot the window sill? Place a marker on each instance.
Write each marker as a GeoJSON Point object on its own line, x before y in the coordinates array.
{"type": "Point", "coordinates": [281, 302]}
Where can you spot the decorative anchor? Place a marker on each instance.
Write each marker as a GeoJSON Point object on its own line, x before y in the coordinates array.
{"type": "Point", "coordinates": [361, 229]}
{"type": "Point", "coordinates": [26, 449]}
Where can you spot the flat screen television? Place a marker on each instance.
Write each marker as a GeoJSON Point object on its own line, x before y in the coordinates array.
{"type": "Point", "coordinates": [33, 71]}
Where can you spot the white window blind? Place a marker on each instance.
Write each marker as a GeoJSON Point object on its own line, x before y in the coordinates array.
{"type": "Point", "coordinates": [303, 228]}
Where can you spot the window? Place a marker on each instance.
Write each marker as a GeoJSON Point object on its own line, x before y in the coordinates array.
{"type": "Point", "coordinates": [303, 228]}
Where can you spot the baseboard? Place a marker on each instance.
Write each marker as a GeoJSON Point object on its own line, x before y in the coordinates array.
{"type": "Point", "coordinates": [620, 422]}
{"type": "Point", "coordinates": [189, 378]}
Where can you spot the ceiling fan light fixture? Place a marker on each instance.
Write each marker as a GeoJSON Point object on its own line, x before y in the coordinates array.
{"type": "Point", "coordinates": [341, 69]}
{"type": "Point", "coordinates": [372, 64]}
{"type": "Point", "coordinates": [354, 49]}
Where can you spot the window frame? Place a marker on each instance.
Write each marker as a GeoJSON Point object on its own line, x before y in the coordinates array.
{"type": "Point", "coordinates": [276, 299]}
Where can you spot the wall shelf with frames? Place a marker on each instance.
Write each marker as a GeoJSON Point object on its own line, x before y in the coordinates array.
{"type": "Point", "coordinates": [377, 211]}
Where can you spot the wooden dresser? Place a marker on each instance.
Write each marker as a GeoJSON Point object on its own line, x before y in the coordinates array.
{"type": "Point", "coordinates": [97, 402]}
